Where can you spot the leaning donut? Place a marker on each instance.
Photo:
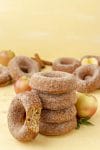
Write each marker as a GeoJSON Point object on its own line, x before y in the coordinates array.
{"type": "Point", "coordinates": [5, 77]}
{"type": "Point", "coordinates": [23, 116]}
{"type": "Point", "coordinates": [58, 116]}
{"type": "Point", "coordinates": [22, 66]}
{"type": "Point", "coordinates": [57, 129]}
{"type": "Point", "coordinates": [57, 101]}
{"type": "Point", "coordinates": [88, 78]}
{"type": "Point", "coordinates": [53, 82]}
{"type": "Point", "coordinates": [66, 64]}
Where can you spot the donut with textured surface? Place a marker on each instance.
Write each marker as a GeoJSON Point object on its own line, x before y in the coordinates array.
{"type": "Point", "coordinates": [55, 82]}
{"type": "Point", "coordinates": [57, 129]}
{"type": "Point", "coordinates": [66, 64]}
{"type": "Point", "coordinates": [23, 116]}
{"type": "Point", "coordinates": [58, 116]}
{"type": "Point", "coordinates": [22, 66]}
{"type": "Point", "coordinates": [5, 77]}
{"type": "Point", "coordinates": [88, 78]}
{"type": "Point", "coordinates": [57, 101]}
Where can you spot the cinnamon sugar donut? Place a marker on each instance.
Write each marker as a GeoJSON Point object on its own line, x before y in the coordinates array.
{"type": "Point", "coordinates": [58, 116]}
{"type": "Point", "coordinates": [22, 66]}
{"type": "Point", "coordinates": [5, 77]}
{"type": "Point", "coordinates": [66, 64]}
{"type": "Point", "coordinates": [53, 82]}
{"type": "Point", "coordinates": [57, 101]}
{"type": "Point", "coordinates": [57, 129]}
{"type": "Point", "coordinates": [92, 59]}
{"type": "Point", "coordinates": [23, 116]}
{"type": "Point", "coordinates": [88, 78]}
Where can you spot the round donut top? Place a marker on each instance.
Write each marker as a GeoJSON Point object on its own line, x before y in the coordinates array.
{"type": "Point", "coordinates": [87, 72]}
{"type": "Point", "coordinates": [54, 75]}
{"type": "Point", "coordinates": [67, 61]}
{"type": "Point", "coordinates": [53, 82]}
{"type": "Point", "coordinates": [25, 64]}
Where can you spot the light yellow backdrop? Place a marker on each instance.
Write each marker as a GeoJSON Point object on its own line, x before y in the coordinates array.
{"type": "Point", "coordinates": [64, 26]}
{"type": "Point", "coordinates": [53, 28]}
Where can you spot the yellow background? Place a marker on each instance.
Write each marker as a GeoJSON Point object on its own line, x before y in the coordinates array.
{"type": "Point", "coordinates": [53, 28]}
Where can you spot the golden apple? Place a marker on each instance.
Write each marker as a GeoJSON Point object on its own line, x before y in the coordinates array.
{"type": "Point", "coordinates": [6, 56]}
{"type": "Point", "coordinates": [91, 60]}
{"type": "Point", "coordinates": [86, 105]}
{"type": "Point", "coordinates": [22, 85]}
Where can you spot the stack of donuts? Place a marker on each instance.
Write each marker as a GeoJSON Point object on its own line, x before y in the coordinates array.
{"type": "Point", "coordinates": [57, 93]}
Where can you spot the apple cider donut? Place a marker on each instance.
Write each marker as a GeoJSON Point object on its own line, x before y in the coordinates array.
{"type": "Point", "coordinates": [88, 78]}
{"type": "Point", "coordinates": [58, 116]}
{"type": "Point", "coordinates": [53, 82]}
{"type": "Point", "coordinates": [5, 77]}
{"type": "Point", "coordinates": [57, 129]}
{"type": "Point", "coordinates": [90, 59]}
{"type": "Point", "coordinates": [22, 66]}
{"type": "Point", "coordinates": [57, 101]}
{"type": "Point", "coordinates": [23, 116]}
{"type": "Point", "coordinates": [66, 64]}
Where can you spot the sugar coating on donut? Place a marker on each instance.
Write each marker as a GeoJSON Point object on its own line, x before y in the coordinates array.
{"type": "Point", "coordinates": [66, 64]}
{"type": "Point", "coordinates": [57, 129]}
{"type": "Point", "coordinates": [57, 101]}
{"type": "Point", "coordinates": [88, 78]}
{"type": "Point", "coordinates": [58, 116]}
{"type": "Point", "coordinates": [23, 116]}
{"type": "Point", "coordinates": [22, 66]}
{"type": "Point", "coordinates": [5, 77]}
{"type": "Point", "coordinates": [53, 82]}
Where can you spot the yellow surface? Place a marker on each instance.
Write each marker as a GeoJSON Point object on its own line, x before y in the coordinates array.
{"type": "Point", "coordinates": [53, 28]}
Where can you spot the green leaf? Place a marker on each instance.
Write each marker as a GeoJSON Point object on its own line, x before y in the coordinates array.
{"type": "Point", "coordinates": [83, 121]}
{"type": "Point", "coordinates": [78, 126]}
{"type": "Point", "coordinates": [88, 123]}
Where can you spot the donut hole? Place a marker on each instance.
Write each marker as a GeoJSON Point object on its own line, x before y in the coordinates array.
{"type": "Point", "coordinates": [53, 75]}
{"type": "Point", "coordinates": [24, 69]}
{"type": "Point", "coordinates": [66, 62]}
{"type": "Point", "coordinates": [18, 114]}
{"type": "Point", "coordinates": [24, 66]}
{"type": "Point", "coordinates": [86, 74]}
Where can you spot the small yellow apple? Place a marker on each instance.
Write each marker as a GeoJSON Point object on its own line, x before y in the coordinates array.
{"type": "Point", "coordinates": [91, 60]}
{"type": "Point", "coordinates": [6, 56]}
{"type": "Point", "coordinates": [86, 105]}
{"type": "Point", "coordinates": [22, 85]}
